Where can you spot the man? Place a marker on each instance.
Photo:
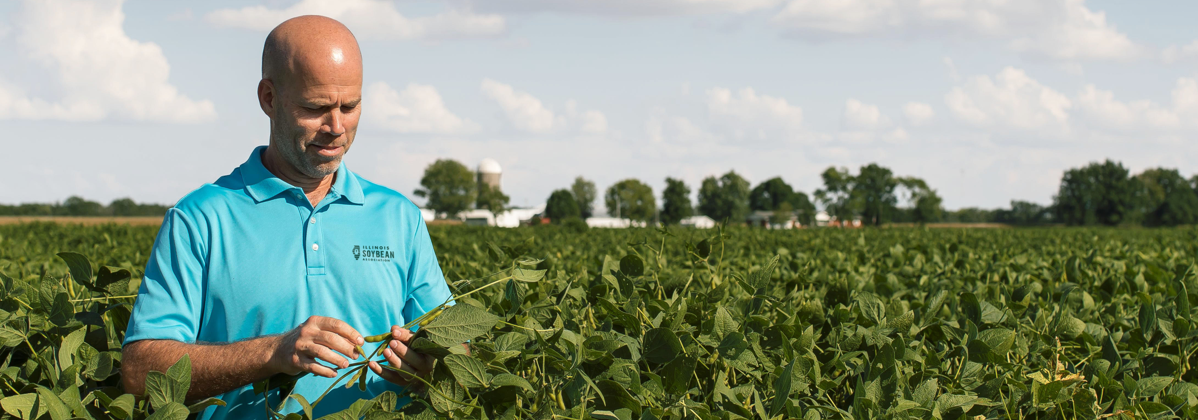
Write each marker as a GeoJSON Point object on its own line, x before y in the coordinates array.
{"type": "Point", "coordinates": [282, 265]}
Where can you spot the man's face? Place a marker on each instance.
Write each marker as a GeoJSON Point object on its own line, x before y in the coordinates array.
{"type": "Point", "coordinates": [316, 117]}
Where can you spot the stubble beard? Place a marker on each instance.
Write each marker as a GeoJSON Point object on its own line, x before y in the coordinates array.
{"type": "Point", "coordinates": [293, 150]}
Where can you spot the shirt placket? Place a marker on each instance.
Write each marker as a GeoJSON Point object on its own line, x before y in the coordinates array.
{"type": "Point", "coordinates": [313, 238]}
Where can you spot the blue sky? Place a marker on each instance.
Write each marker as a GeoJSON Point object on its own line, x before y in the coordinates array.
{"type": "Point", "coordinates": [987, 101]}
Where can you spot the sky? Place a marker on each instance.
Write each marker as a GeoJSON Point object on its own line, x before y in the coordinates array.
{"type": "Point", "coordinates": [988, 101]}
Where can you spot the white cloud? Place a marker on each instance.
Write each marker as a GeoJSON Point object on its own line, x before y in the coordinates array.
{"type": "Point", "coordinates": [590, 122]}
{"type": "Point", "coordinates": [863, 116]}
{"type": "Point", "coordinates": [748, 108]}
{"type": "Point", "coordinates": [417, 109]}
{"type": "Point", "coordinates": [1011, 99]}
{"type": "Point", "coordinates": [594, 122]}
{"type": "Point", "coordinates": [101, 71]}
{"type": "Point", "coordinates": [918, 113]}
{"type": "Point", "coordinates": [523, 110]}
{"type": "Point", "coordinates": [1059, 29]}
{"type": "Point", "coordinates": [627, 7]}
{"type": "Point", "coordinates": [1173, 53]}
{"type": "Point", "coordinates": [376, 19]}
{"type": "Point", "coordinates": [1104, 110]}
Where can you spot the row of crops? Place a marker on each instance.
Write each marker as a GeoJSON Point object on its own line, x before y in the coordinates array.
{"type": "Point", "coordinates": [679, 324]}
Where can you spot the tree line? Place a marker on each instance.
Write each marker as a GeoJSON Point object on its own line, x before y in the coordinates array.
{"type": "Point", "coordinates": [873, 195]}
{"type": "Point", "coordinates": [78, 206]}
{"type": "Point", "coordinates": [1100, 193]}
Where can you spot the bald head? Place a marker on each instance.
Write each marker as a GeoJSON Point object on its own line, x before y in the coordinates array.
{"type": "Point", "coordinates": [311, 89]}
{"type": "Point", "coordinates": [308, 44]}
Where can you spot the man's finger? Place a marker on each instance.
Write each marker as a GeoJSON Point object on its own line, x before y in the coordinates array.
{"type": "Point", "coordinates": [401, 334]}
{"type": "Point", "coordinates": [418, 361]}
{"type": "Point", "coordinates": [335, 342]}
{"type": "Point", "coordinates": [324, 353]}
{"type": "Point", "coordinates": [398, 363]}
{"type": "Point", "coordinates": [309, 364]}
{"type": "Point", "coordinates": [389, 375]}
{"type": "Point", "coordinates": [341, 328]}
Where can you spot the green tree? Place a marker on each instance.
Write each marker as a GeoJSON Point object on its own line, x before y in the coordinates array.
{"type": "Point", "coordinates": [837, 194]}
{"type": "Point", "coordinates": [561, 205]}
{"type": "Point", "coordinates": [782, 213]}
{"type": "Point", "coordinates": [449, 187]}
{"type": "Point", "coordinates": [78, 206]}
{"type": "Point", "coordinates": [925, 203]}
{"type": "Point", "coordinates": [123, 207]}
{"type": "Point", "coordinates": [584, 193]}
{"type": "Point", "coordinates": [726, 198]}
{"type": "Point", "coordinates": [1169, 198]}
{"type": "Point", "coordinates": [804, 208]}
{"type": "Point", "coordinates": [492, 199]}
{"type": "Point", "coordinates": [1098, 193]}
{"type": "Point", "coordinates": [675, 202]}
{"type": "Point", "coordinates": [768, 195]}
{"type": "Point", "coordinates": [874, 186]}
{"type": "Point", "coordinates": [631, 199]}
{"type": "Point", "coordinates": [1024, 213]}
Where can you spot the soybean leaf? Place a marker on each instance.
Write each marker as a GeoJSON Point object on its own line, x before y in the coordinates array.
{"type": "Point", "coordinates": [724, 323]}
{"type": "Point", "coordinates": [459, 324]}
{"type": "Point", "coordinates": [171, 411]}
{"type": "Point", "coordinates": [199, 406]}
{"type": "Point", "coordinates": [507, 379]}
{"type": "Point", "coordinates": [122, 406]}
{"type": "Point", "coordinates": [632, 265]}
{"type": "Point", "coordinates": [79, 267]}
{"type": "Point", "coordinates": [615, 396]}
{"type": "Point", "coordinates": [782, 389]}
{"type": "Point", "coordinates": [469, 372]}
{"type": "Point", "coordinates": [10, 337]}
{"type": "Point", "coordinates": [1148, 387]}
{"type": "Point", "coordinates": [527, 275]}
{"type": "Point", "coordinates": [23, 406]}
{"type": "Point", "coordinates": [661, 346]}
{"type": "Point", "coordinates": [70, 344]}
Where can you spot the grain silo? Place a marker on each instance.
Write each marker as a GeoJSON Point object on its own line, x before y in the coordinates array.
{"type": "Point", "coordinates": [488, 173]}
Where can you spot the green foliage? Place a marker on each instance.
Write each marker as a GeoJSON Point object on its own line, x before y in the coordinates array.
{"type": "Point", "coordinates": [726, 198]}
{"type": "Point", "coordinates": [492, 199]}
{"type": "Point", "coordinates": [1169, 199]}
{"type": "Point", "coordinates": [837, 194]}
{"type": "Point", "coordinates": [560, 206]}
{"type": "Point", "coordinates": [449, 187]}
{"type": "Point", "coordinates": [631, 199]}
{"type": "Point", "coordinates": [78, 206]}
{"type": "Point", "coordinates": [874, 188]}
{"type": "Point", "coordinates": [675, 202]}
{"type": "Point", "coordinates": [679, 323]}
{"type": "Point", "coordinates": [584, 193]}
{"type": "Point", "coordinates": [1098, 193]}
{"type": "Point", "coordinates": [769, 194]}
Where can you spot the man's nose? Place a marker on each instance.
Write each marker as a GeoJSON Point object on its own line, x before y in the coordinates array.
{"type": "Point", "coordinates": [333, 123]}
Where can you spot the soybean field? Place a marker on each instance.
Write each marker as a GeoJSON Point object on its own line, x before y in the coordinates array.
{"type": "Point", "coordinates": [731, 323]}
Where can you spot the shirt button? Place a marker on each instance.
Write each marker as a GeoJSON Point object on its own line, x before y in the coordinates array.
{"type": "Point", "coordinates": [315, 247]}
{"type": "Point", "coordinates": [312, 220]}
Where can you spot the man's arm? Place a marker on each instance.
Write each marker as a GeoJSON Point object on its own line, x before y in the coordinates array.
{"type": "Point", "coordinates": [219, 368]}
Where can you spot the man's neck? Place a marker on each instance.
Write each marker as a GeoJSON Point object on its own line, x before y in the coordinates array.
{"type": "Point", "coordinates": [314, 188]}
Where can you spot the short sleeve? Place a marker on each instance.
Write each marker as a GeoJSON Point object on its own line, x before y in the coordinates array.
{"type": "Point", "coordinates": [426, 284]}
{"type": "Point", "coordinates": [169, 301]}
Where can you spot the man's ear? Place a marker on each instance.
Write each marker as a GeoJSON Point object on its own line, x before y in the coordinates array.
{"type": "Point", "coordinates": [266, 97]}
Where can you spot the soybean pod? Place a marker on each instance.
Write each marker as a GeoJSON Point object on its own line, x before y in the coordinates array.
{"type": "Point", "coordinates": [378, 338]}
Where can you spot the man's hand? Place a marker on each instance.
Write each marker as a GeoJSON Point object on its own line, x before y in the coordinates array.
{"type": "Point", "coordinates": [402, 357]}
{"type": "Point", "coordinates": [317, 338]}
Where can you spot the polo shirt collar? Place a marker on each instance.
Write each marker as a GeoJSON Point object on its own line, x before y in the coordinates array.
{"type": "Point", "coordinates": [263, 185]}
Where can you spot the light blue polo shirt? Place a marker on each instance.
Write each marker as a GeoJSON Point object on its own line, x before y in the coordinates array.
{"type": "Point", "coordinates": [249, 256]}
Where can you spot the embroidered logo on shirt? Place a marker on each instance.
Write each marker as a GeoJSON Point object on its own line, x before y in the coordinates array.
{"type": "Point", "coordinates": [373, 253]}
